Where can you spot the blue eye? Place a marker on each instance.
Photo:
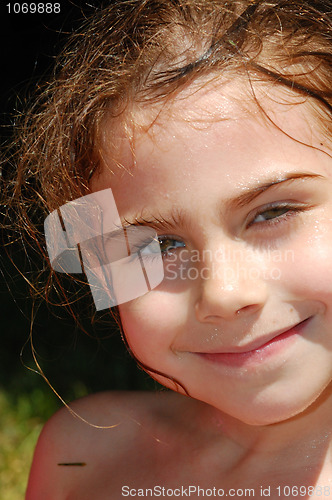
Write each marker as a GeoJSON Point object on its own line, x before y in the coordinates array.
{"type": "Point", "coordinates": [275, 214]}
{"type": "Point", "coordinates": [168, 243]}
{"type": "Point", "coordinates": [271, 213]}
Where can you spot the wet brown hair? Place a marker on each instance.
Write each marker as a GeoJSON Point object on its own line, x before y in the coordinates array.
{"type": "Point", "coordinates": [146, 51]}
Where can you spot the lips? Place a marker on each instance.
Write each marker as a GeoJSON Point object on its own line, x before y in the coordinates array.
{"type": "Point", "coordinates": [258, 350]}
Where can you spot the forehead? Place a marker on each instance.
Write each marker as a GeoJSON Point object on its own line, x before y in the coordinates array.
{"type": "Point", "coordinates": [203, 103]}
{"type": "Point", "coordinates": [217, 130]}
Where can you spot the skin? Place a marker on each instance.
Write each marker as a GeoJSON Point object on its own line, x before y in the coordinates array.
{"type": "Point", "coordinates": [264, 419]}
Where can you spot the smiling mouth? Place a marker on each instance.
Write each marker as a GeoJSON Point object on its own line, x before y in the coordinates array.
{"type": "Point", "coordinates": [257, 352]}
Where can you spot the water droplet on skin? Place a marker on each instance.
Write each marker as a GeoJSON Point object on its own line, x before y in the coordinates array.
{"type": "Point", "coordinates": [213, 335]}
{"type": "Point", "coordinates": [229, 288]}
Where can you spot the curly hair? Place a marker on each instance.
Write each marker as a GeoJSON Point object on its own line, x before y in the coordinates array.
{"type": "Point", "coordinates": [144, 51]}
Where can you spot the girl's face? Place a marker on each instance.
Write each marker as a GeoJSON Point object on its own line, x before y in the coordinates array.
{"type": "Point", "coordinates": [243, 212]}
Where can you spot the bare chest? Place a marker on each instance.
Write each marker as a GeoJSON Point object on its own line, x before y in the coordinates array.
{"type": "Point", "coordinates": [147, 474]}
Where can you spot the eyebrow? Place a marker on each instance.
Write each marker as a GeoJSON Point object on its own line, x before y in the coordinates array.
{"type": "Point", "coordinates": [253, 192]}
{"type": "Point", "coordinates": [179, 218]}
{"type": "Point", "coordinates": [172, 220]}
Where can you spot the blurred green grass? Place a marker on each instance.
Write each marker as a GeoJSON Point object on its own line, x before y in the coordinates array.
{"type": "Point", "coordinates": [22, 417]}
{"type": "Point", "coordinates": [27, 402]}
{"type": "Point", "coordinates": [20, 428]}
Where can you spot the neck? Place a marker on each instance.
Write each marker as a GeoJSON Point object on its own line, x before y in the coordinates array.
{"type": "Point", "coordinates": [305, 439]}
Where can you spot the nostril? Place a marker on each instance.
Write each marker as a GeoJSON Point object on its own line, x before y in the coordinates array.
{"type": "Point", "coordinates": [249, 308]}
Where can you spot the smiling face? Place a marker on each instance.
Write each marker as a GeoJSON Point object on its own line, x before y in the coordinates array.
{"type": "Point", "coordinates": [244, 217]}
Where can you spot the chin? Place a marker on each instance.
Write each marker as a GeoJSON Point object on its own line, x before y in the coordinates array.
{"type": "Point", "coordinates": [264, 420]}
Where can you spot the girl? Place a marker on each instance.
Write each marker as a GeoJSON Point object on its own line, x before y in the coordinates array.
{"type": "Point", "coordinates": [207, 122]}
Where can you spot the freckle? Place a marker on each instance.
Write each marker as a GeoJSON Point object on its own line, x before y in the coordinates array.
{"type": "Point", "coordinates": [291, 310]}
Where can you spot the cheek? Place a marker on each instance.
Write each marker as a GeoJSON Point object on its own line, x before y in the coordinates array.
{"type": "Point", "coordinates": [308, 270]}
{"type": "Point", "coordinates": [150, 324]}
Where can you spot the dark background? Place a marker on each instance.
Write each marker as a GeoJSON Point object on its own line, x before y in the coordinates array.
{"type": "Point", "coordinates": [76, 363]}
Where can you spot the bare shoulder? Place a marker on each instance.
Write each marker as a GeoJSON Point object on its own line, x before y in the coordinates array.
{"type": "Point", "coordinates": [107, 433]}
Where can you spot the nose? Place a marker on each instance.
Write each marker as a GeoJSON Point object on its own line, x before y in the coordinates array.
{"type": "Point", "coordinates": [231, 287]}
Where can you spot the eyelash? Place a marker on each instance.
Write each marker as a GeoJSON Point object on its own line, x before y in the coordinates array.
{"type": "Point", "coordinates": [290, 210]}
{"type": "Point", "coordinates": [160, 239]}
{"type": "Point", "coordinates": [172, 239]}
